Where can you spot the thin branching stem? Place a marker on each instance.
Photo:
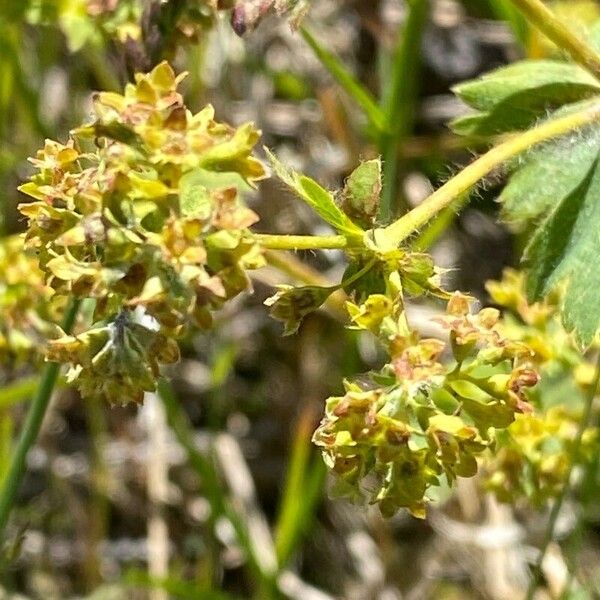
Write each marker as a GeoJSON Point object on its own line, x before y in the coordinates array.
{"type": "Point", "coordinates": [32, 426]}
{"type": "Point", "coordinates": [301, 242]}
{"type": "Point", "coordinates": [575, 451]}
{"type": "Point", "coordinates": [412, 222]}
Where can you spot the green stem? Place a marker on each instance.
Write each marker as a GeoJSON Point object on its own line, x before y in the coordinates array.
{"type": "Point", "coordinates": [410, 223]}
{"type": "Point", "coordinates": [399, 103]}
{"type": "Point", "coordinates": [301, 242]}
{"type": "Point", "coordinates": [358, 274]}
{"type": "Point", "coordinates": [539, 15]}
{"type": "Point", "coordinates": [31, 427]}
{"type": "Point", "coordinates": [294, 268]}
{"type": "Point", "coordinates": [558, 503]}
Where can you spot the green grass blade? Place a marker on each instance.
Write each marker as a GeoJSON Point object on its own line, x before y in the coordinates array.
{"type": "Point", "coordinates": [399, 103]}
{"type": "Point", "coordinates": [348, 82]}
{"type": "Point", "coordinates": [177, 588]}
{"type": "Point", "coordinates": [504, 11]}
{"type": "Point", "coordinates": [302, 490]}
{"type": "Point", "coordinates": [32, 426]}
{"type": "Point", "coordinates": [212, 485]}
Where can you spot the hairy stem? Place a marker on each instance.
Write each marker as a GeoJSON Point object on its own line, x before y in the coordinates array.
{"type": "Point", "coordinates": [558, 503]}
{"type": "Point", "coordinates": [541, 17]}
{"type": "Point", "coordinates": [301, 242]}
{"type": "Point", "coordinates": [296, 269]}
{"type": "Point", "coordinates": [410, 223]}
{"type": "Point", "coordinates": [32, 425]}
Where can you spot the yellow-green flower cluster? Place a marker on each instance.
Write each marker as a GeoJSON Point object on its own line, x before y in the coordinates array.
{"type": "Point", "coordinates": [428, 412]}
{"type": "Point", "coordinates": [141, 211]}
{"type": "Point", "coordinates": [533, 456]}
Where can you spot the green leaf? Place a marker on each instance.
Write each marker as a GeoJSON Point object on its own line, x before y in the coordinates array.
{"type": "Point", "coordinates": [470, 391]}
{"type": "Point", "coordinates": [556, 183]}
{"type": "Point", "coordinates": [233, 154]}
{"type": "Point", "coordinates": [315, 196]}
{"type": "Point", "coordinates": [445, 401]}
{"type": "Point", "coordinates": [565, 249]}
{"type": "Point", "coordinates": [514, 97]}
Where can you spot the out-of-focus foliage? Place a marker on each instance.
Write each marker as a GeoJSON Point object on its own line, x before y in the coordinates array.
{"type": "Point", "coordinates": [149, 27]}
{"type": "Point", "coordinates": [25, 305]}
{"type": "Point", "coordinates": [248, 13]}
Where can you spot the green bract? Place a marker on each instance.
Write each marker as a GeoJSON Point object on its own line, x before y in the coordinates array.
{"type": "Point", "coordinates": [141, 211]}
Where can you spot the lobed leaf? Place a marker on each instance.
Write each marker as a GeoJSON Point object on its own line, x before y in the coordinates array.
{"type": "Point", "coordinates": [514, 97]}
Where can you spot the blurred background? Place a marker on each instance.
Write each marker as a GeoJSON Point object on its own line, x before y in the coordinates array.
{"type": "Point", "coordinates": [117, 503]}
